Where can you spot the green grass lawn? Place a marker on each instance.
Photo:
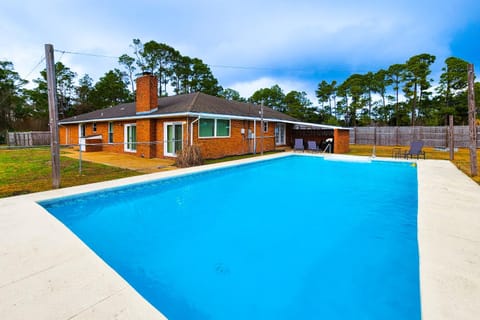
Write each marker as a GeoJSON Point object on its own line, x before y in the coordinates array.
{"type": "Point", "coordinates": [461, 157]}
{"type": "Point", "coordinates": [29, 170]}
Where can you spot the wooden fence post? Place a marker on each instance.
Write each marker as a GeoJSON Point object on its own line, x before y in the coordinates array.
{"type": "Point", "coordinates": [397, 140]}
{"type": "Point", "coordinates": [450, 137]}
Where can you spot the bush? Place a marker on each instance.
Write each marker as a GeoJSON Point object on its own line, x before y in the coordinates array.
{"type": "Point", "coordinates": [3, 137]}
{"type": "Point", "coordinates": [189, 156]}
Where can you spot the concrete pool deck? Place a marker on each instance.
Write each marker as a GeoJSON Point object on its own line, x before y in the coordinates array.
{"type": "Point", "coordinates": [48, 273]}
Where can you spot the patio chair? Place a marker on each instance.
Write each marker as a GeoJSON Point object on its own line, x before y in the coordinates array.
{"type": "Point", "coordinates": [312, 146]}
{"type": "Point", "coordinates": [415, 150]}
{"type": "Point", "coordinates": [298, 145]}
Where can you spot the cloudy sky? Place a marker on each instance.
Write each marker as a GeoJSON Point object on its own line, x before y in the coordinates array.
{"type": "Point", "coordinates": [248, 44]}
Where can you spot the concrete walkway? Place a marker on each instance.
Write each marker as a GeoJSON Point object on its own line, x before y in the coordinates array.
{"type": "Point", "coordinates": [449, 242]}
{"type": "Point", "coordinates": [48, 273]}
{"type": "Point", "coordinates": [122, 160]}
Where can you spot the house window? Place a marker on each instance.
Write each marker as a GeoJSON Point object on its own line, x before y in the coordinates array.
{"type": "Point", "coordinates": [280, 134]}
{"type": "Point", "coordinates": [110, 132]}
{"type": "Point", "coordinates": [94, 127]}
{"type": "Point", "coordinates": [265, 126]}
{"type": "Point", "coordinates": [223, 128]}
{"type": "Point", "coordinates": [207, 128]}
{"type": "Point", "coordinates": [214, 128]}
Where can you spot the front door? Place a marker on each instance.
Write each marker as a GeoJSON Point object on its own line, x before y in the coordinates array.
{"type": "Point", "coordinates": [173, 139]}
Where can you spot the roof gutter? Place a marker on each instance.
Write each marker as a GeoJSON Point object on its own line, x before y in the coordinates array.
{"type": "Point", "coordinates": [314, 125]}
{"type": "Point", "coordinates": [170, 115]}
{"type": "Point", "coordinates": [205, 115]}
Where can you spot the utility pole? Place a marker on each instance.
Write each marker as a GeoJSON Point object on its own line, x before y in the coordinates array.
{"type": "Point", "coordinates": [472, 118]}
{"type": "Point", "coordinates": [53, 116]}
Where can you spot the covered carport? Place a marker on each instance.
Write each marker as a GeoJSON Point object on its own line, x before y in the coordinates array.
{"type": "Point", "coordinates": [337, 137]}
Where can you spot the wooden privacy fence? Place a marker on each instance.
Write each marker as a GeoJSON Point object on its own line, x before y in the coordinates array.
{"type": "Point", "coordinates": [28, 139]}
{"type": "Point", "coordinates": [403, 136]}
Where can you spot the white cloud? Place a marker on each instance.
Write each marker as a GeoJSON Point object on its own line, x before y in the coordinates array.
{"type": "Point", "coordinates": [274, 36]}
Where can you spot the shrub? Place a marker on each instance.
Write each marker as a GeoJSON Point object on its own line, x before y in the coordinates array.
{"type": "Point", "coordinates": [189, 156]}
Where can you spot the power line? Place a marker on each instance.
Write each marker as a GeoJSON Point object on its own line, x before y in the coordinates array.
{"type": "Point", "coordinates": [86, 54]}
{"type": "Point", "coordinates": [210, 65]}
{"type": "Point", "coordinates": [237, 67]}
{"type": "Point", "coordinates": [31, 71]}
{"type": "Point", "coordinates": [36, 66]}
{"type": "Point", "coordinates": [60, 58]}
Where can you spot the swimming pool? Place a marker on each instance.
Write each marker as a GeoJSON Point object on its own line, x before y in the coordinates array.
{"type": "Point", "coordinates": [297, 237]}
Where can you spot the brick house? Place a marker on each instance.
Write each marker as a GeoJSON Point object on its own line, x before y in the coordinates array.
{"type": "Point", "coordinates": [159, 128]}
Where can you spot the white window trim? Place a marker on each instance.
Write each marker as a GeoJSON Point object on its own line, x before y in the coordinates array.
{"type": "Point", "coordinates": [80, 126]}
{"type": "Point", "coordinates": [81, 137]}
{"type": "Point", "coordinates": [165, 141]}
{"type": "Point", "coordinates": [284, 126]}
{"type": "Point", "coordinates": [94, 127]}
{"type": "Point", "coordinates": [215, 129]}
{"type": "Point", "coordinates": [111, 123]}
{"type": "Point", "coordinates": [265, 126]}
{"type": "Point", "coordinates": [125, 136]}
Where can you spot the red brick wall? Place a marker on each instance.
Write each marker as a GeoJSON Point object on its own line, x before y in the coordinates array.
{"type": "Point", "coordinates": [145, 135]}
{"type": "Point", "coordinates": [159, 134]}
{"type": "Point", "coordinates": [68, 134]}
{"type": "Point", "coordinates": [147, 93]}
{"type": "Point", "coordinates": [118, 137]}
{"type": "Point", "coordinates": [237, 143]}
{"type": "Point", "coordinates": [341, 141]}
{"type": "Point", "coordinates": [153, 131]}
{"type": "Point", "coordinates": [268, 137]}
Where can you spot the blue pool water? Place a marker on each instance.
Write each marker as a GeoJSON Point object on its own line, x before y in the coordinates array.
{"type": "Point", "coordinates": [292, 238]}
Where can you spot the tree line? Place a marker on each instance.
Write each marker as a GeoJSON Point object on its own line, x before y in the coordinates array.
{"type": "Point", "coordinates": [401, 94]}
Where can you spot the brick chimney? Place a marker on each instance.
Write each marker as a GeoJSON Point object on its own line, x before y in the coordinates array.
{"type": "Point", "coordinates": [147, 93]}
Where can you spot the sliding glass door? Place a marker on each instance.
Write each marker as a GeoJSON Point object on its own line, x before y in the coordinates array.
{"type": "Point", "coordinates": [130, 138]}
{"type": "Point", "coordinates": [173, 138]}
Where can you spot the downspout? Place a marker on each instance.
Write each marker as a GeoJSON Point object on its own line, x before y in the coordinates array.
{"type": "Point", "coordinates": [191, 130]}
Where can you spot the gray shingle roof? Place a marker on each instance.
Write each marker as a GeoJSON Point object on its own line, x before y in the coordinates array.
{"type": "Point", "coordinates": [185, 103]}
